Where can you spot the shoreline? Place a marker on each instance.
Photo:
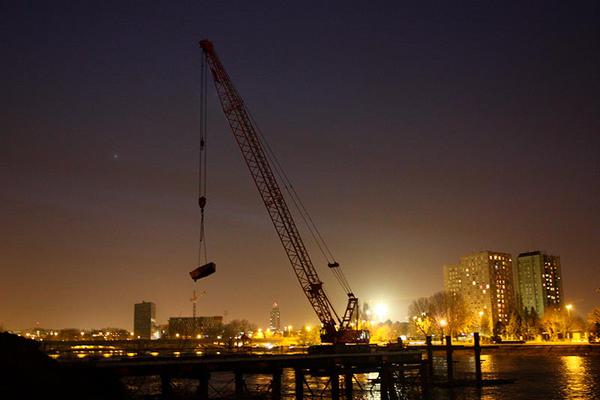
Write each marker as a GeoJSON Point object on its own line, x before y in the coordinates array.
{"type": "Point", "coordinates": [558, 349]}
{"type": "Point", "coordinates": [561, 349]}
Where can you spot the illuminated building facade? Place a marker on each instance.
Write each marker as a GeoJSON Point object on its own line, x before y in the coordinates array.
{"type": "Point", "coordinates": [188, 327]}
{"type": "Point", "coordinates": [144, 320]}
{"type": "Point", "coordinates": [539, 281]}
{"type": "Point", "coordinates": [275, 318]}
{"type": "Point", "coordinates": [452, 280]}
{"type": "Point", "coordinates": [485, 280]}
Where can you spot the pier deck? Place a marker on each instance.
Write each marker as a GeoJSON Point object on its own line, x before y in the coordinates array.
{"type": "Point", "coordinates": [390, 367]}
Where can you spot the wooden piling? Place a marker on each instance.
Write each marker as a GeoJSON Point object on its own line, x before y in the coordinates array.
{"type": "Point", "coordinates": [276, 385]}
{"type": "Point", "coordinates": [383, 384]}
{"type": "Point", "coordinates": [388, 389]}
{"type": "Point", "coordinates": [165, 386]}
{"type": "Point", "coordinates": [202, 390]}
{"type": "Point", "coordinates": [449, 361]}
{"type": "Point", "coordinates": [348, 389]}
{"type": "Point", "coordinates": [429, 344]}
{"type": "Point", "coordinates": [424, 379]}
{"type": "Point", "coordinates": [239, 384]}
{"type": "Point", "coordinates": [477, 349]}
{"type": "Point", "coordinates": [334, 381]}
{"type": "Point", "coordinates": [299, 383]}
{"type": "Point", "coordinates": [391, 387]}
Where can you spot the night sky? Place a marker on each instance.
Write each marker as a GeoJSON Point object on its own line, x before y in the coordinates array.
{"type": "Point", "coordinates": [414, 133]}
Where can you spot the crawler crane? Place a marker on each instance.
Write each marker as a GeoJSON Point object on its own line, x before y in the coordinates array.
{"type": "Point", "coordinates": [335, 329]}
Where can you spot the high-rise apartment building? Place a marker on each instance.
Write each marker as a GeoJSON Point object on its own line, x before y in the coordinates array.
{"type": "Point", "coordinates": [452, 279]}
{"type": "Point", "coordinates": [275, 318]}
{"type": "Point", "coordinates": [539, 281]}
{"type": "Point", "coordinates": [485, 280]}
{"type": "Point", "coordinates": [144, 320]}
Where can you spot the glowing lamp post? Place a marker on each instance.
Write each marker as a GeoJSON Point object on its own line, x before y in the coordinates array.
{"type": "Point", "coordinates": [480, 321]}
{"type": "Point", "coordinates": [443, 323]}
{"type": "Point", "coordinates": [569, 307]}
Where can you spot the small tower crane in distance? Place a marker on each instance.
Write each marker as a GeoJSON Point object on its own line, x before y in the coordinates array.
{"type": "Point", "coordinates": [334, 329]}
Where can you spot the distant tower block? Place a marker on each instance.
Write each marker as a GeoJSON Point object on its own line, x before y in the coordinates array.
{"type": "Point", "coordinates": [275, 318]}
{"type": "Point", "coordinates": [144, 320]}
{"type": "Point", "coordinates": [485, 280]}
{"type": "Point", "coordinates": [539, 279]}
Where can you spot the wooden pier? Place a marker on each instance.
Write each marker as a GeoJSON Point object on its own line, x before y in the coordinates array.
{"type": "Point", "coordinates": [392, 369]}
{"type": "Point", "coordinates": [338, 371]}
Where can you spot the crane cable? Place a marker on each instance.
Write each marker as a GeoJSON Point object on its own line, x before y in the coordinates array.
{"type": "Point", "coordinates": [301, 208]}
{"type": "Point", "coordinates": [202, 160]}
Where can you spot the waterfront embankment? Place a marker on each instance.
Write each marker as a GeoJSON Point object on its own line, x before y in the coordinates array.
{"type": "Point", "coordinates": [558, 349]}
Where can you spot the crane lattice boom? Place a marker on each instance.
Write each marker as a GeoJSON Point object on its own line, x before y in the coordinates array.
{"type": "Point", "coordinates": [254, 155]}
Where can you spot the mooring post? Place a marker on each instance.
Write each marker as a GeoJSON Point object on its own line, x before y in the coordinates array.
{"type": "Point", "coordinates": [334, 381]}
{"type": "Point", "coordinates": [429, 358]}
{"type": "Point", "coordinates": [276, 385]}
{"type": "Point", "coordinates": [348, 385]}
{"type": "Point", "coordinates": [203, 379]}
{"type": "Point", "coordinates": [299, 383]}
{"type": "Point", "coordinates": [239, 384]}
{"type": "Point", "coordinates": [165, 385]}
{"type": "Point", "coordinates": [449, 362]}
{"type": "Point", "coordinates": [477, 348]}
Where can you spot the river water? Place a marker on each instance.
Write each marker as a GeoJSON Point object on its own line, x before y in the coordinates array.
{"type": "Point", "coordinates": [536, 377]}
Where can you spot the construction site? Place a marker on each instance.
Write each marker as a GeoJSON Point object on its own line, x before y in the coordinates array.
{"type": "Point", "coordinates": [343, 365]}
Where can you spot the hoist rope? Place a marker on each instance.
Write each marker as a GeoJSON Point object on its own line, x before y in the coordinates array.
{"type": "Point", "coordinates": [279, 171]}
{"type": "Point", "coordinates": [301, 208]}
{"type": "Point", "coordinates": [202, 160]}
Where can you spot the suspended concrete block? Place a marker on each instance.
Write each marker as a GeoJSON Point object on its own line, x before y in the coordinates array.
{"type": "Point", "coordinates": [203, 271]}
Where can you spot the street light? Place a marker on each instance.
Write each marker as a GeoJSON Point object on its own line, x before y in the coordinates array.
{"type": "Point", "coordinates": [569, 307]}
{"type": "Point", "coordinates": [443, 323]}
{"type": "Point", "coordinates": [480, 320]}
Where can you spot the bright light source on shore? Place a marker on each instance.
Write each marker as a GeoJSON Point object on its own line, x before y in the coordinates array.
{"type": "Point", "coordinates": [443, 323]}
{"type": "Point", "coordinates": [381, 311]}
{"type": "Point", "coordinates": [569, 307]}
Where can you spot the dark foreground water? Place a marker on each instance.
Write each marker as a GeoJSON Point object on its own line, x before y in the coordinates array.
{"type": "Point", "coordinates": [537, 377]}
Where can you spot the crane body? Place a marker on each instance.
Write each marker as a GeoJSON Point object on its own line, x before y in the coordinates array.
{"type": "Point", "coordinates": [334, 329]}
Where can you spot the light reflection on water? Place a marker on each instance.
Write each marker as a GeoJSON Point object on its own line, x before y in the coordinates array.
{"type": "Point", "coordinates": [537, 377]}
{"type": "Point", "coordinates": [545, 376]}
{"type": "Point", "coordinates": [574, 380]}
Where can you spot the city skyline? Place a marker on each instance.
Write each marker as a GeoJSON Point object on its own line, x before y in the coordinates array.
{"type": "Point", "coordinates": [453, 276]}
{"type": "Point", "coordinates": [414, 135]}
